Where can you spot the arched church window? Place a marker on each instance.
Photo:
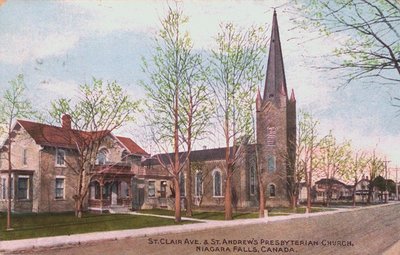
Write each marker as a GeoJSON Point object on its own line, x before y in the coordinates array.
{"type": "Point", "coordinates": [217, 185]}
{"type": "Point", "coordinates": [271, 163]}
{"type": "Point", "coordinates": [272, 190]}
{"type": "Point", "coordinates": [252, 180]}
{"type": "Point", "coordinates": [182, 183]}
{"type": "Point", "coordinates": [198, 184]}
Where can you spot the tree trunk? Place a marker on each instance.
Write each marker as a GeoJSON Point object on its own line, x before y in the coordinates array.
{"type": "Point", "coordinates": [228, 195]}
{"type": "Point", "coordinates": [9, 195]}
{"type": "Point", "coordinates": [261, 212]}
{"type": "Point", "coordinates": [177, 199]}
{"type": "Point", "coordinates": [354, 192]}
{"type": "Point", "coordinates": [308, 182]}
{"type": "Point", "coordinates": [189, 188]}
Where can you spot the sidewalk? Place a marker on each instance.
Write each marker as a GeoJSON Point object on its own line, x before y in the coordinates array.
{"type": "Point", "coordinates": [71, 240]}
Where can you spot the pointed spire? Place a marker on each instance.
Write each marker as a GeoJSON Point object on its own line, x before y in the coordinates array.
{"type": "Point", "coordinates": [275, 82]}
{"type": "Point", "coordinates": [292, 96]}
{"type": "Point", "coordinates": [258, 100]}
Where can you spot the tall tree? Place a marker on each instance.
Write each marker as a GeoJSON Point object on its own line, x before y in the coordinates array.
{"type": "Point", "coordinates": [372, 49]}
{"type": "Point", "coordinates": [178, 98]}
{"type": "Point", "coordinates": [100, 108]}
{"type": "Point", "coordinates": [13, 105]}
{"type": "Point", "coordinates": [331, 158]}
{"type": "Point", "coordinates": [308, 126]}
{"type": "Point", "coordinates": [355, 171]}
{"type": "Point", "coordinates": [197, 110]}
{"type": "Point", "coordinates": [375, 167]}
{"type": "Point", "coordinates": [301, 156]}
{"type": "Point", "coordinates": [235, 71]}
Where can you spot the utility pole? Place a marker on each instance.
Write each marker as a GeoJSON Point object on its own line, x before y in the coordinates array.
{"type": "Point", "coordinates": [396, 182]}
{"type": "Point", "coordinates": [386, 193]}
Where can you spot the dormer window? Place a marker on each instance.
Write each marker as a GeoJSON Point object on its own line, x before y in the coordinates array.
{"type": "Point", "coordinates": [102, 157]}
{"type": "Point", "coordinates": [124, 156]}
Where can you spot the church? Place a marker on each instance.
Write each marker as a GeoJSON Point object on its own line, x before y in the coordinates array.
{"type": "Point", "coordinates": [276, 136]}
{"type": "Point", "coordinates": [127, 177]}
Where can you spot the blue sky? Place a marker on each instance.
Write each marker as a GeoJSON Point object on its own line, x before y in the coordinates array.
{"type": "Point", "coordinates": [58, 45]}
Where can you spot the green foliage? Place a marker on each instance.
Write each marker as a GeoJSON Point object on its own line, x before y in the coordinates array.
{"type": "Point", "coordinates": [380, 183]}
{"type": "Point", "coordinates": [100, 106]}
{"type": "Point", "coordinates": [176, 89]}
{"type": "Point", "coordinates": [236, 68]}
{"type": "Point", "coordinates": [14, 104]}
{"type": "Point", "coordinates": [332, 157]}
{"type": "Point", "coordinates": [369, 32]}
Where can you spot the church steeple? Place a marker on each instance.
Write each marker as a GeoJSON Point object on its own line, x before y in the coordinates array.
{"type": "Point", "coordinates": [275, 82]}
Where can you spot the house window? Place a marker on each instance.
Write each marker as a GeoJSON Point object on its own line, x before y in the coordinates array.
{"type": "Point", "coordinates": [59, 191]}
{"type": "Point", "coordinates": [182, 184]}
{"type": "Point", "coordinates": [25, 157]}
{"type": "Point", "coordinates": [271, 190]}
{"type": "Point", "coordinates": [152, 189]}
{"type": "Point", "coordinates": [198, 184]}
{"type": "Point", "coordinates": [60, 157]}
{"type": "Point", "coordinates": [94, 190]}
{"type": "Point", "coordinates": [271, 163]}
{"type": "Point", "coordinates": [102, 157]}
{"type": "Point", "coordinates": [252, 180]}
{"type": "Point", "coordinates": [23, 187]}
{"type": "Point", "coordinates": [217, 187]}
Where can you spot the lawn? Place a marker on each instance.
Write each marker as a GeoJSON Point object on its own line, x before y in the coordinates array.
{"type": "Point", "coordinates": [204, 215]}
{"type": "Point", "coordinates": [54, 224]}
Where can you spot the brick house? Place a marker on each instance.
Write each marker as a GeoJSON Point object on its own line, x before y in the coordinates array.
{"type": "Point", "coordinates": [126, 176]}
{"type": "Point", "coordinates": [43, 169]}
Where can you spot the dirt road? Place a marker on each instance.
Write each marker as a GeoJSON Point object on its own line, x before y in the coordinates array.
{"type": "Point", "coordinates": [368, 231]}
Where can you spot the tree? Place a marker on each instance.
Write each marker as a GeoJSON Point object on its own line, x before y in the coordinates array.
{"type": "Point", "coordinates": [235, 71]}
{"type": "Point", "coordinates": [100, 108]}
{"type": "Point", "coordinates": [372, 50]}
{"type": "Point", "coordinates": [331, 158]}
{"type": "Point", "coordinates": [13, 105]}
{"type": "Point", "coordinates": [354, 171]}
{"type": "Point", "coordinates": [310, 143]}
{"type": "Point", "coordinates": [178, 98]}
{"type": "Point", "coordinates": [197, 110]}
{"type": "Point", "coordinates": [300, 163]}
{"type": "Point", "coordinates": [375, 167]}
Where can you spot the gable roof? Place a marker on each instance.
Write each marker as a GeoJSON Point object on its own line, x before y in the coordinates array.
{"type": "Point", "coordinates": [48, 135]}
{"type": "Point", "coordinates": [131, 145]}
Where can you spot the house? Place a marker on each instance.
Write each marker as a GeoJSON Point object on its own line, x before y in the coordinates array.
{"type": "Point", "coordinates": [44, 158]}
{"type": "Point", "coordinates": [333, 189]}
{"type": "Point", "coordinates": [44, 161]}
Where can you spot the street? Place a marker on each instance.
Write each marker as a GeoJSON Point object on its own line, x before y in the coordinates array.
{"type": "Point", "coordinates": [368, 231]}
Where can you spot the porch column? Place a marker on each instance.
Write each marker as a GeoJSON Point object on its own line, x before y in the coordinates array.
{"type": "Point", "coordinates": [101, 195]}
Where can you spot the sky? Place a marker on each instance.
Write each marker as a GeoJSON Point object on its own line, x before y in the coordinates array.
{"type": "Point", "coordinates": [58, 45]}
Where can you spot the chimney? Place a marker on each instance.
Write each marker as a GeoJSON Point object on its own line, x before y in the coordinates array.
{"type": "Point", "coordinates": [66, 121]}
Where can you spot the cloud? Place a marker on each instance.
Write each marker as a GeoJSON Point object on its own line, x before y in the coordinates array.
{"type": "Point", "coordinates": [17, 49]}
